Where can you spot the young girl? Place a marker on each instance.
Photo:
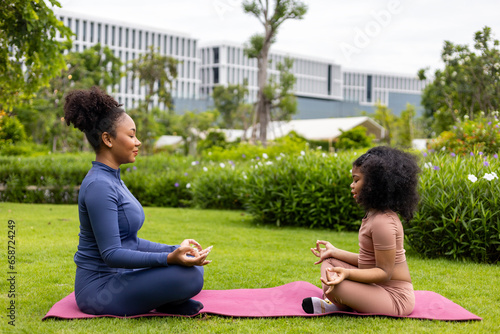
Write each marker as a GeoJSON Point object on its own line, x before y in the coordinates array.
{"type": "Point", "coordinates": [118, 273]}
{"type": "Point", "coordinates": [377, 280]}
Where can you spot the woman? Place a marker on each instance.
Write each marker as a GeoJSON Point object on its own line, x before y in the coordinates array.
{"type": "Point", "coordinates": [117, 272]}
{"type": "Point", "coordinates": [377, 280]}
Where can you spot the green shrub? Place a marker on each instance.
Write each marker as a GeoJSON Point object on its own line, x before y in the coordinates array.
{"type": "Point", "coordinates": [354, 138]}
{"type": "Point", "coordinates": [290, 144]}
{"type": "Point", "coordinates": [162, 190]}
{"type": "Point", "coordinates": [219, 188]}
{"type": "Point", "coordinates": [307, 190]}
{"type": "Point", "coordinates": [11, 129]}
{"type": "Point", "coordinates": [44, 179]}
{"type": "Point", "coordinates": [459, 214]}
{"type": "Point", "coordinates": [481, 135]}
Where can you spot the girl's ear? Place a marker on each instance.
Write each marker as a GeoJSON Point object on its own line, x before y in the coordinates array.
{"type": "Point", "coordinates": [106, 139]}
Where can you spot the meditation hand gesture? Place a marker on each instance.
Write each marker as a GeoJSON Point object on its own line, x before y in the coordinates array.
{"type": "Point", "coordinates": [323, 253]}
{"type": "Point", "coordinates": [189, 254]}
{"type": "Point", "coordinates": [334, 276]}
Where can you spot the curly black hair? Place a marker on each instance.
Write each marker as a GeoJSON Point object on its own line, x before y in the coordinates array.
{"type": "Point", "coordinates": [390, 180]}
{"type": "Point", "coordinates": [93, 112]}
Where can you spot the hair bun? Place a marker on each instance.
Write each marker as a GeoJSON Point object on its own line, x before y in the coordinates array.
{"type": "Point", "coordinates": [85, 108]}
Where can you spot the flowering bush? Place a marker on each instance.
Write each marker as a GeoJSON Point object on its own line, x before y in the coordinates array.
{"type": "Point", "coordinates": [459, 213]}
{"type": "Point", "coordinates": [479, 135]}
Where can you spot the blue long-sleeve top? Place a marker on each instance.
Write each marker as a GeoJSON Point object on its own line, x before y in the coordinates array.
{"type": "Point", "coordinates": [110, 217]}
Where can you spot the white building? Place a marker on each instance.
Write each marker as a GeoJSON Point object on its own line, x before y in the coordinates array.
{"type": "Point", "coordinates": [128, 41]}
{"type": "Point", "coordinates": [369, 87]}
{"type": "Point", "coordinates": [225, 63]}
{"type": "Point", "coordinates": [323, 88]}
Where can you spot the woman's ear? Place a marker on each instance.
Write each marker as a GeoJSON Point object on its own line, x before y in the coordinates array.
{"type": "Point", "coordinates": [106, 139]}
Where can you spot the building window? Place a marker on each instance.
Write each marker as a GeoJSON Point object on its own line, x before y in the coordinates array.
{"type": "Point", "coordinates": [216, 55]}
{"type": "Point", "coordinates": [84, 28]}
{"type": "Point", "coordinates": [146, 36]}
{"type": "Point", "coordinates": [113, 30]}
{"type": "Point", "coordinates": [133, 38]}
{"type": "Point", "coordinates": [120, 36]}
{"type": "Point", "coordinates": [92, 32]}
{"type": "Point", "coordinates": [69, 24]}
{"type": "Point", "coordinates": [139, 46]}
{"type": "Point", "coordinates": [216, 75]}
{"type": "Point", "coordinates": [98, 33]}
{"type": "Point", "coordinates": [77, 29]}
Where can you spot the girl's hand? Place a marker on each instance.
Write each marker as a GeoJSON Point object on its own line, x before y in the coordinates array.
{"type": "Point", "coordinates": [334, 276]}
{"type": "Point", "coordinates": [323, 253]}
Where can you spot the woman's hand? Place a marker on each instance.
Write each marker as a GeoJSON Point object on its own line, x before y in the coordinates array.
{"type": "Point", "coordinates": [189, 254]}
{"type": "Point", "coordinates": [323, 253]}
{"type": "Point", "coordinates": [192, 243]}
{"type": "Point", "coordinates": [334, 276]}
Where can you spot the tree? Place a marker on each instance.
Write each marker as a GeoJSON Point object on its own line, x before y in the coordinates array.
{"type": "Point", "coordinates": [157, 73]}
{"type": "Point", "coordinates": [190, 125]}
{"type": "Point", "coordinates": [228, 100]}
{"type": "Point", "coordinates": [280, 99]}
{"type": "Point", "coordinates": [30, 55]}
{"type": "Point", "coordinates": [42, 116]}
{"type": "Point", "coordinates": [405, 127]}
{"type": "Point", "coordinates": [260, 45]}
{"type": "Point", "coordinates": [384, 116]}
{"type": "Point", "coordinates": [468, 84]}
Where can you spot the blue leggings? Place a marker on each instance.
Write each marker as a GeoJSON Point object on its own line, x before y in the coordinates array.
{"type": "Point", "coordinates": [136, 292]}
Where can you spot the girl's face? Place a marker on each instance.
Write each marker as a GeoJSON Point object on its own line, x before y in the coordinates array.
{"type": "Point", "coordinates": [357, 183]}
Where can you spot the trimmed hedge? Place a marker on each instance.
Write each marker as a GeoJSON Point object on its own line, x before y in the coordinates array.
{"type": "Point", "coordinates": [458, 217]}
{"type": "Point", "coordinates": [307, 190]}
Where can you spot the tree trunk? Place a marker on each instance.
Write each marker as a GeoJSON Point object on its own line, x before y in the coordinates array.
{"type": "Point", "coordinates": [262, 105]}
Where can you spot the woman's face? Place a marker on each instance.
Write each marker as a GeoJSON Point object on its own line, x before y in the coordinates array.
{"type": "Point", "coordinates": [125, 146]}
{"type": "Point", "coordinates": [357, 183]}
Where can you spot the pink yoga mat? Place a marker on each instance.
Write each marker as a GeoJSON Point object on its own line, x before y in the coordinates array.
{"type": "Point", "coordinates": [280, 301]}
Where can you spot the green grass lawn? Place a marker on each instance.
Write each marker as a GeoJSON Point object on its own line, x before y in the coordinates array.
{"type": "Point", "coordinates": [244, 256]}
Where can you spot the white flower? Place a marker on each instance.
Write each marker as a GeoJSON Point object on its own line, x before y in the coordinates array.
{"type": "Point", "coordinates": [490, 176]}
{"type": "Point", "coordinates": [472, 178]}
{"type": "Point", "coordinates": [427, 165]}
{"type": "Point", "coordinates": [302, 153]}
{"type": "Point", "coordinates": [278, 158]}
{"type": "Point", "coordinates": [245, 177]}
{"type": "Point", "coordinates": [282, 154]}
{"type": "Point", "coordinates": [205, 169]}
{"type": "Point", "coordinates": [209, 153]}
{"type": "Point", "coordinates": [323, 155]}
{"type": "Point", "coordinates": [335, 155]}
{"type": "Point", "coordinates": [222, 165]}
{"type": "Point", "coordinates": [265, 156]}
{"type": "Point", "coordinates": [496, 66]}
{"type": "Point", "coordinates": [269, 163]}
{"type": "Point", "coordinates": [188, 185]}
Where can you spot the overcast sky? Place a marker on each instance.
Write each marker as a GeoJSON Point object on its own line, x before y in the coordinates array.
{"type": "Point", "coordinates": [379, 35]}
